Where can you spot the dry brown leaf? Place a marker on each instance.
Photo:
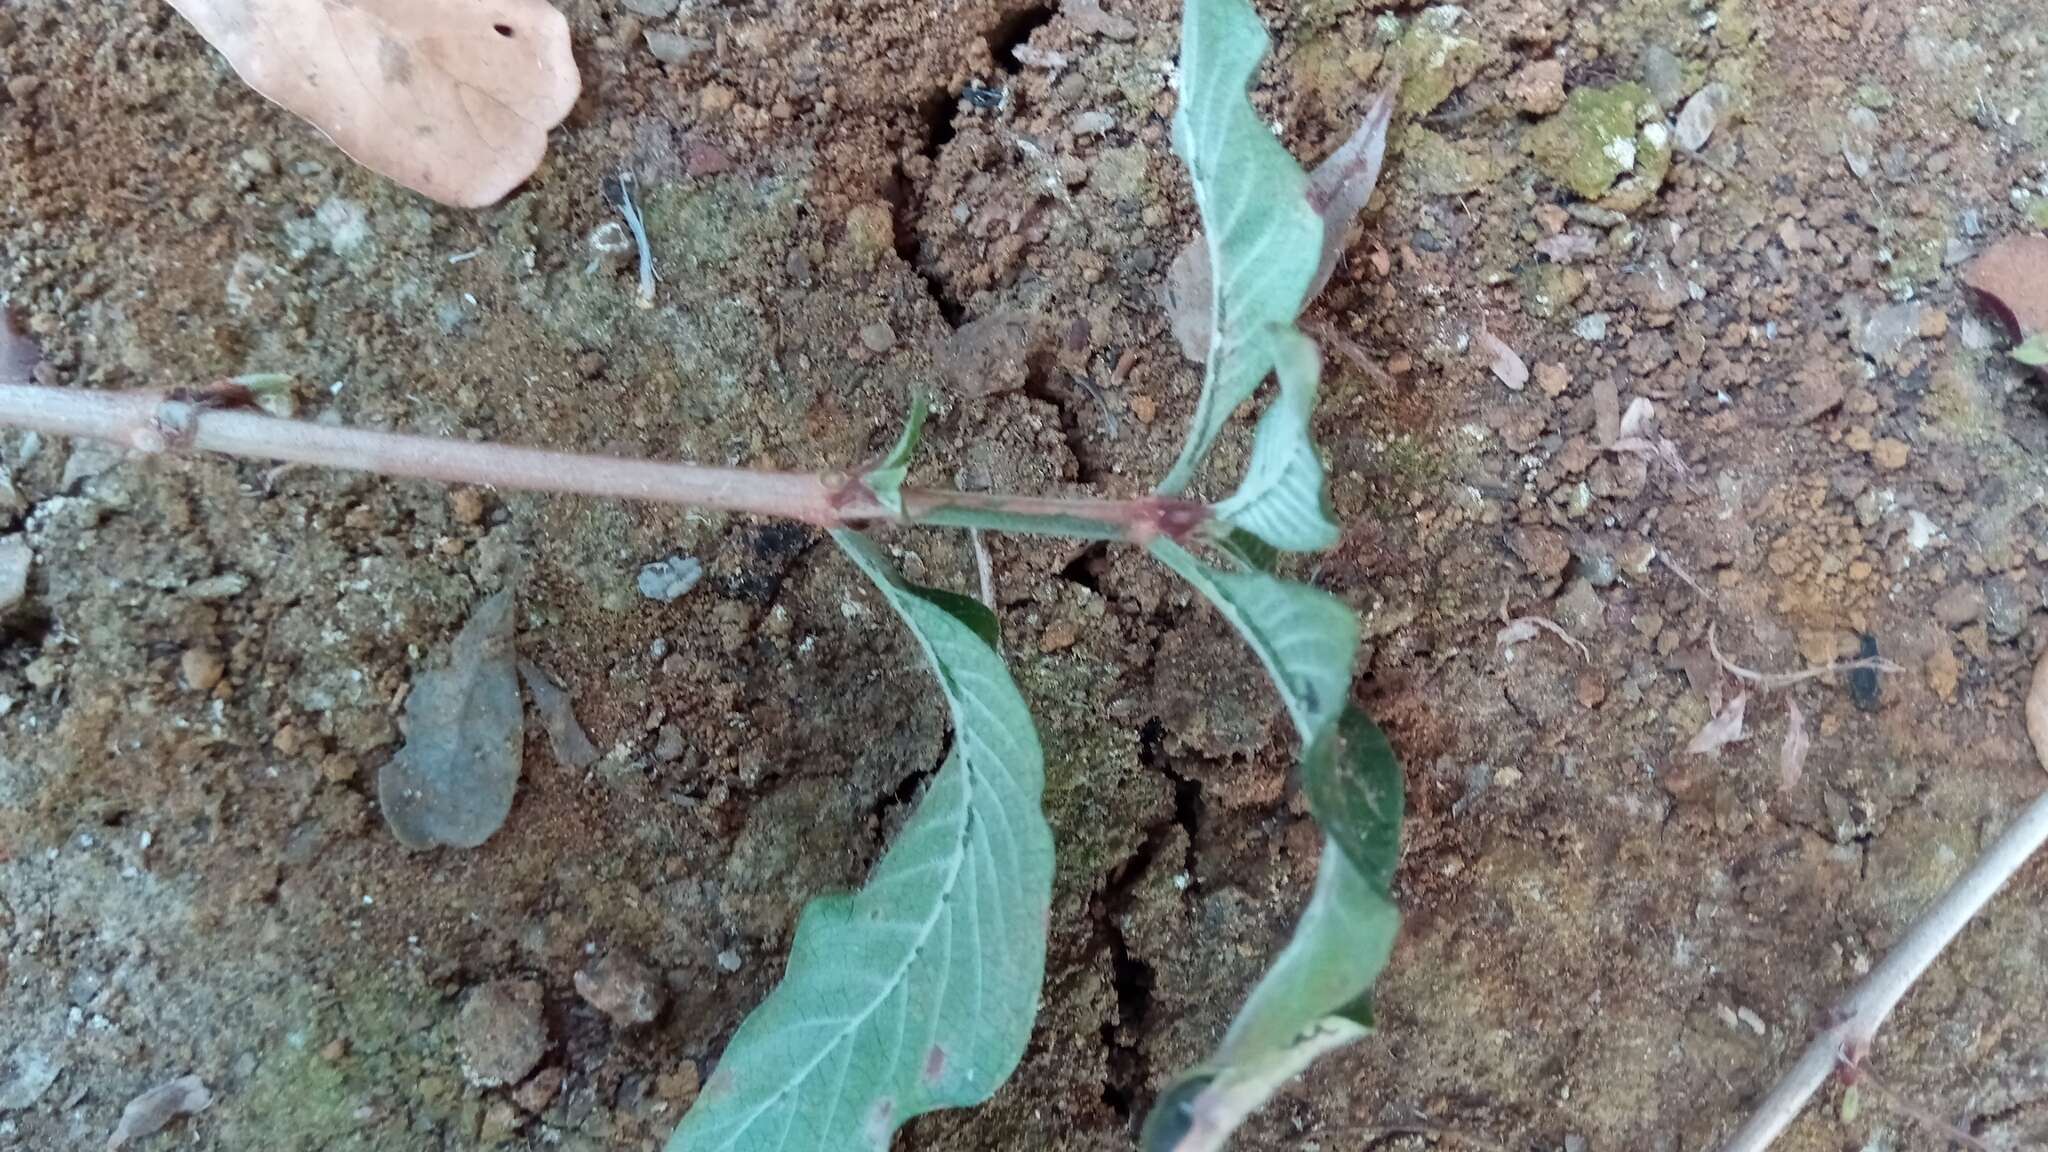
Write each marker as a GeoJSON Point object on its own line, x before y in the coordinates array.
{"type": "Point", "coordinates": [1724, 729]}
{"type": "Point", "coordinates": [1506, 363]}
{"type": "Point", "coordinates": [2037, 712]}
{"type": "Point", "coordinates": [1338, 190]}
{"type": "Point", "coordinates": [1525, 628]}
{"type": "Point", "coordinates": [1340, 186]}
{"type": "Point", "coordinates": [147, 1114]}
{"type": "Point", "coordinates": [451, 98]}
{"type": "Point", "coordinates": [1633, 435]}
{"type": "Point", "coordinates": [566, 738]}
{"type": "Point", "coordinates": [1792, 757]}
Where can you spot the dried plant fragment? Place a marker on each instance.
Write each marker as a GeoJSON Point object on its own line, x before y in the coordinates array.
{"type": "Point", "coordinates": [451, 98]}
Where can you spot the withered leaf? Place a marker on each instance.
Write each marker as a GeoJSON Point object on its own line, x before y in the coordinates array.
{"type": "Point", "coordinates": [453, 781]}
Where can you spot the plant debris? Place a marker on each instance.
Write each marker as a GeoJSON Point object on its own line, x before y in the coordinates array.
{"type": "Point", "coordinates": [1507, 365]}
{"type": "Point", "coordinates": [1766, 681]}
{"type": "Point", "coordinates": [1524, 628]}
{"type": "Point", "coordinates": [147, 1114]}
{"type": "Point", "coordinates": [1634, 436]}
{"type": "Point", "coordinates": [566, 738]}
{"type": "Point", "coordinates": [453, 781]}
{"type": "Point", "coordinates": [1724, 729]}
{"type": "Point", "coordinates": [451, 98]}
{"type": "Point", "coordinates": [1792, 757]}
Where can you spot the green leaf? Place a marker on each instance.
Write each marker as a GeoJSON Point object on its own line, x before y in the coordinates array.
{"type": "Point", "coordinates": [885, 480]}
{"type": "Point", "coordinates": [1282, 500]}
{"type": "Point", "coordinates": [918, 991]}
{"type": "Point", "coordinates": [1317, 995]}
{"type": "Point", "coordinates": [1305, 637]}
{"type": "Point", "coordinates": [1264, 239]}
{"type": "Point", "coordinates": [2034, 352]}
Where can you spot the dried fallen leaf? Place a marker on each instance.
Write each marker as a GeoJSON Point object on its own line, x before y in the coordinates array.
{"type": "Point", "coordinates": [453, 781]}
{"type": "Point", "coordinates": [1525, 628]}
{"type": "Point", "coordinates": [1189, 284]}
{"type": "Point", "coordinates": [566, 738]}
{"type": "Point", "coordinates": [451, 98]}
{"type": "Point", "coordinates": [1724, 729]}
{"type": "Point", "coordinates": [1506, 363]}
{"type": "Point", "coordinates": [1340, 186]}
{"type": "Point", "coordinates": [147, 1114]}
{"type": "Point", "coordinates": [2009, 277]}
{"type": "Point", "coordinates": [1635, 437]}
{"type": "Point", "coordinates": [1792, 757]}
{"type": "Point", "coordinates": [2037, 712]}
{"type": "Point", "coordinates": [1338, 190]}
{"type": "Point", "coordinates": [18, 354]}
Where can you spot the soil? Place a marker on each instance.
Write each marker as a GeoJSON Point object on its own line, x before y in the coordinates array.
{"type": "Point", "coordinates": [1609, 944]}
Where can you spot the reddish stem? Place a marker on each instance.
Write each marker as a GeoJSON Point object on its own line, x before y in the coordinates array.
{"type": "Point", "coordinates": [154, 422]}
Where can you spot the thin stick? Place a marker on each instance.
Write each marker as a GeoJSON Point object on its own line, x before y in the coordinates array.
{"type": "Point", "coordinates": [1857, 1018]}
{"type": "Point", "coordinates": [984, 567]}
{"type": "Point", "coordinates": [155, 422]}
{"type": "Point", "coordinates": [1769, 680]}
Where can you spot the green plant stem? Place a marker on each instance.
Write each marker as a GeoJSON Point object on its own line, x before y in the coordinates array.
{"type": "Point", "coordinates": [159, 422]}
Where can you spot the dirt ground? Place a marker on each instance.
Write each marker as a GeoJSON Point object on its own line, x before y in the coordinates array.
{"type": "Point", "coordinates": [1609, 944]}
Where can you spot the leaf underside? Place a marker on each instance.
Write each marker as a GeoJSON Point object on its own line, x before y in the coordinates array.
{"type": "Point", "coordinates": [918, 991]}
{"type": "Point", "coordinates": [1316, 996]}
{"type": "Point", "coordinates": [1264, 239]}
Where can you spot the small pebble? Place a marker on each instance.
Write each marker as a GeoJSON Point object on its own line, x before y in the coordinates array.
{"type": "Point", "coordinates": [652, 9]}
{"type": "Point", "coordinates": [202, 668]}
{"type": "Point", "coordinates": [878, 337]}
{"type": "Point", "coordinates": [500, 1032]}
{"type": "Point", "coordinates": [621, 987]}
{"type": "Point", "coordinates": [667, 580]}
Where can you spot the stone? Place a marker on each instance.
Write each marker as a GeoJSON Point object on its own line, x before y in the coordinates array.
{"type": "Point", "coordinates": [1542, 549]}
{"type": "Point", "coordinates": [202, 667]}
{"type": "Point", "coordinates": [1538, 88]}
{"type": "Point", "coordinates": [16, 558]}
{"type": "Point", "coordinates": [652, 9]}
{"type": "Point", "coordinates": [668, 580]}
{"type": "Point", "coordinates": [1580, 611]}
{"type": "Point", "coordinates": [620, 986]}
{"type": "Point", "coordinates": [500, 1033]}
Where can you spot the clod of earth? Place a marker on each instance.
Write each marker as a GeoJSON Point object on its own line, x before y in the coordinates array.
{"type": "Point", "coordinates": [500, 1032]}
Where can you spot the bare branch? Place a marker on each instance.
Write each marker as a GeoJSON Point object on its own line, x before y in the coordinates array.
{"type": "Point", "coordinates": [1857, 1018]}
{"type": "Point", "coordinates": [159, 422]}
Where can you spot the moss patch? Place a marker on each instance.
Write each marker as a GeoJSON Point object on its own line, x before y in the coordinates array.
{"type": "Point", "coordinates": [1593, 141]}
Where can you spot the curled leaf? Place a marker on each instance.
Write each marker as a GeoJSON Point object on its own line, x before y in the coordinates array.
{"type": "Point", "coordinates": [566, 738]}
{"type": "Point", "coordinates": [452, 783]}
{"type": "Point", "coordinates": [1262, 236]}
{"type": "Point", "coordinates": [451, 98]}
{"type": "Point", "coordinates": [1342, 184]}
{"type": "Point", "coordinates": [1723, 729]}
{"type": "Point", "coordinates": [1792, 757]}
{"type": "Point", "coordinates": [1316, 997]}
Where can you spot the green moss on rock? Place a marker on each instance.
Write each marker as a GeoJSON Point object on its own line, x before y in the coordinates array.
{"type": "Point", "coordinates": [1434, 60]}
{"type": "Point", "coordinates": [1593, 141]}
